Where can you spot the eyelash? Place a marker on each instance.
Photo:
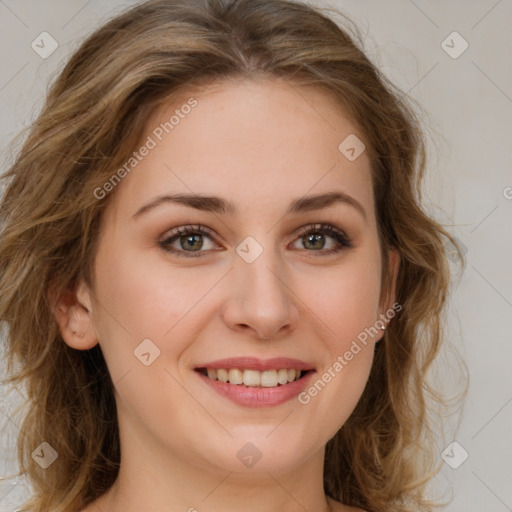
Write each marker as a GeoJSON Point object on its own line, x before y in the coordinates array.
{"type": "Point", "coordinates": [326, 229]}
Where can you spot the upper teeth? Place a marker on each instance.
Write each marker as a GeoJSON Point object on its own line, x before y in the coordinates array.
{"type": "Point", "coordinates": [266, 379]}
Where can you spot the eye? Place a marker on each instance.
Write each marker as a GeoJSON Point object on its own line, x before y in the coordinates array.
{"type": "Point", "coordinates": [190, 240]}
{"type": "Point", "coordinates": [313, 237]}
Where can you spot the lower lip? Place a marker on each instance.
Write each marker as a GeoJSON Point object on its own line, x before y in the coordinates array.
{"type": "Point", "coordinates": [258, 396]}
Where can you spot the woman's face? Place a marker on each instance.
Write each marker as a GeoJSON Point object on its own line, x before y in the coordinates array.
{"type": "Point", "coordinates": [255, 164]}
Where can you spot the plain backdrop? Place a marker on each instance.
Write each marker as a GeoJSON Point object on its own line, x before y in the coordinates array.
{"type": "Point", "coordinates": [466, 94]}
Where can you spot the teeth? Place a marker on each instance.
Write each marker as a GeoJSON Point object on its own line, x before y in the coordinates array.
{"type": "Point", "coordinates": [236, 376]}
{"type": "Point", "coordinates": [282, 377]}
{"type": "Point", "coordinates": [254, 378]}
{"type": "Point", "coordinates": [222, 375]}
{"type": "Point", "coordinates": [269, 378]}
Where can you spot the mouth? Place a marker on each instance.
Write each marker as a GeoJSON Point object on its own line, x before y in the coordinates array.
{"type": "Point", "coordinates": [251, 382]}
{"type": "Point", "coordinates": [254, 378]}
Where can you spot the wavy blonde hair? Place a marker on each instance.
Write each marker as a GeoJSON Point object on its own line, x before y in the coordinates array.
{"type": "Point", "coordinates": [92, 119]}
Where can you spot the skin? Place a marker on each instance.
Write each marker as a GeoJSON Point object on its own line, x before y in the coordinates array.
{"type": "Point", "coordinates": [260, 144]}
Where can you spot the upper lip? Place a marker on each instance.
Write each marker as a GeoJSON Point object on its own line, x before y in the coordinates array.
{"type": "Point", "coordinates": [253, 363]}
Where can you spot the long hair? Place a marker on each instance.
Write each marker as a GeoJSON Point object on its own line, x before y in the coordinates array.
{"type": "Point", "coordinates": [91, 121]}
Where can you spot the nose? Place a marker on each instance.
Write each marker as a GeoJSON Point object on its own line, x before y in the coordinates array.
{"type": "Point", "coordinates": [260, 299]}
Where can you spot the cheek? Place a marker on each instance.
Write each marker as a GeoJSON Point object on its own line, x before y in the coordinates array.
{"type": "Point", "coordinates": [140, 301]}
{"type": "Point", "coordinates": [346, 300]}
{"type": "Point", "coordinates": [348, 310]}
{"type": "Point", "coordinates": [143, 296]}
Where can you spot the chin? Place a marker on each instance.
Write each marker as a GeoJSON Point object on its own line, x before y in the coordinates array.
{"type": "Point", "coordinates": [257, 451]}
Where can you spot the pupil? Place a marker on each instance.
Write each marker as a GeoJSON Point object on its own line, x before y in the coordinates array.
{"type": "Point", "coordinates": [315, 238]}
{"type": "Point", "coordinates": [189, 238]}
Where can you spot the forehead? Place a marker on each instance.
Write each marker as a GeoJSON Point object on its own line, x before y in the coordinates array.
{"type": "Point", "coordinates": [251, 141]}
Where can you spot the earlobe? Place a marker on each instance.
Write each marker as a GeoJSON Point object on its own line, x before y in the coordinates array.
{"type": "Point", "coordinates": [72, 311]}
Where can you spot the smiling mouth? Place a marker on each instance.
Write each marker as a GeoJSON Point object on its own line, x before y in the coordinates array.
{"type": "Point", "coordinates": [253, 378]}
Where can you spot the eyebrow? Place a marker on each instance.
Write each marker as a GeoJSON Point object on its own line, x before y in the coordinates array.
{"type": "Point", "coordinates": [219, 205]}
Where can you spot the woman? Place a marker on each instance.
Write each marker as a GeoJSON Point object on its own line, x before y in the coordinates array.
{"type": "Point", "coordinates": [220, 285]}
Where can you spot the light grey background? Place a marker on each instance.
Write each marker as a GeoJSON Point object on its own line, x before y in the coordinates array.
{"type": "Point", "coordinates": [469, 104]}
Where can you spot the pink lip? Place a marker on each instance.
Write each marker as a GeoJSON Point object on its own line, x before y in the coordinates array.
{"type": "Point", "coordinates": [257, 396]}
{"type": "Point", "coordinates": [252, 363]}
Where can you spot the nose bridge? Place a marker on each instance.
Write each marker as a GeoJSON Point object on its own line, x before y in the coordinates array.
{"type": "Point", "coordinates": [262, 269]}
{"type": "Point", "coordinates": [264, 300]}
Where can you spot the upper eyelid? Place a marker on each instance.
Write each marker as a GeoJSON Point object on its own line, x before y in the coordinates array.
{"type": "Point", "coordinates": [322, 226]}
{"type": "Point", "coordinates": [192, 228]}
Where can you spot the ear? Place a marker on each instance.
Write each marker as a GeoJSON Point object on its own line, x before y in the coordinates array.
{"type": "Point", "coordinates": [388, 296]}
{"type": "Point", "coordinates": [393, 268]}
{"type": "Point", "coordinates": [73, 312]}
